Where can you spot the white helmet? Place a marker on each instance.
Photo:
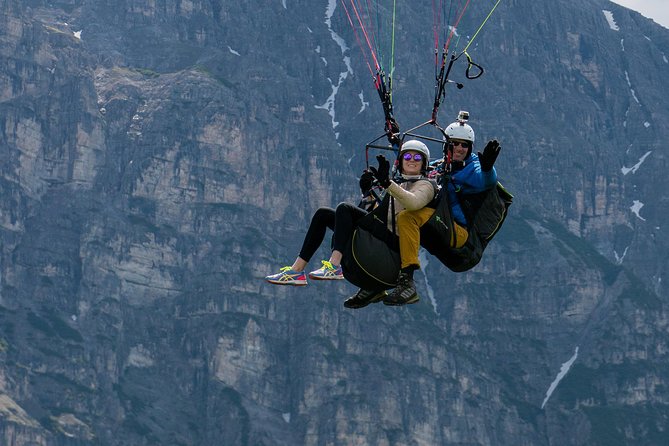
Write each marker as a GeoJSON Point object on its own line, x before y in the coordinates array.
{"type": "Point", "coordinates": [460, 129]}
{"type": "Point", "coordinates": [417, 146]}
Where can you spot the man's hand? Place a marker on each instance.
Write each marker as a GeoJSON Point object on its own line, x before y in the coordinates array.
{"type": "Point", "coordinates": [489, 155]}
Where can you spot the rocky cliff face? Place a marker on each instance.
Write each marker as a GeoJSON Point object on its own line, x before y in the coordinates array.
{"type": "Point", "coordinates": [160, 157]}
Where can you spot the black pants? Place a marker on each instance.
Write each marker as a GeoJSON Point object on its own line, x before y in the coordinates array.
{"type": "Point", "coordinates": [342, 221]}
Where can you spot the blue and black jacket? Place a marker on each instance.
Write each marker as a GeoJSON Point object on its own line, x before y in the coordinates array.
{"type": "Point", "coordinates": [468, 180]}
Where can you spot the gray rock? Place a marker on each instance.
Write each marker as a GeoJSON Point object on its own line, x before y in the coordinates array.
{"type": "Point", "coordinates": [160, 158]}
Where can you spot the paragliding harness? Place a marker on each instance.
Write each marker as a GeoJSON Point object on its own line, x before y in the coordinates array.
{"type": "Point", "coordinates": [485, 212]}
{"type": "Point", "coordinates": [372, 258]}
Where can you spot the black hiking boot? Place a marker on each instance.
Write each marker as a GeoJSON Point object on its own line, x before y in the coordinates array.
{"type": "Point", "coordinates": [364, 297]}
{"type": "Point", "coordinates": [404, 293]}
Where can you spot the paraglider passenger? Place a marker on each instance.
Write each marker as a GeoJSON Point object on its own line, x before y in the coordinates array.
{"type": "Point", "coordinates": [413, 192]}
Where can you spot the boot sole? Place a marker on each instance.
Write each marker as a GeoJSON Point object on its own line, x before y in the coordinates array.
{"type": "Point", "coordinates": [363, 303]}
{"type": "Point", "coordinates": [412, 300]}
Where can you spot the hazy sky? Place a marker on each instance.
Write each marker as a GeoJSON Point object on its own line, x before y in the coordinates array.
{"type": "Point", "coordinates": [657, 10]}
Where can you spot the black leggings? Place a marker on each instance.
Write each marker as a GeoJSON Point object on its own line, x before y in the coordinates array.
{"type": "Point", "coordinates": [342, 221]}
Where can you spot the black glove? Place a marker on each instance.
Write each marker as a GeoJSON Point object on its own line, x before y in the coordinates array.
{"type": "Point", "coordinates": [489, 155]}
{"type": "Point", "coordinates": [366, 181]}
{"type": "Point", "coordinates": [382, 173]}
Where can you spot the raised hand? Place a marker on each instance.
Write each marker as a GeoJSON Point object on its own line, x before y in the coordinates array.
{"type": "Point", "coordinates": [489, 155]}
{"type": "Point", "coordinates": [382, 174]}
